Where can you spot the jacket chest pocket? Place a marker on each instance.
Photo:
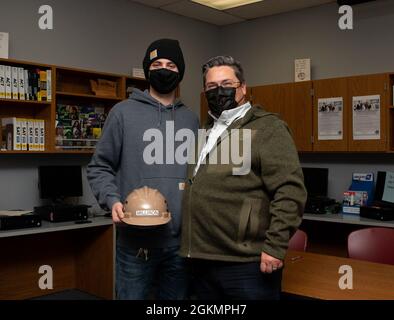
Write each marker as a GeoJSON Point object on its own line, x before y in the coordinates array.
{"type": "Point", "coordinates": [249, 220]}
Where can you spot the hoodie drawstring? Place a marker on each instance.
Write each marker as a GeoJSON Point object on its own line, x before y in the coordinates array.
{"type": "Point", "coordinates": [159, 115]}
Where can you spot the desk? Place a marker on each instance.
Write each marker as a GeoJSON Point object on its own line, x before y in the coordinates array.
{"type": "Point", "coordinates": [348, 219]}
{"type": "Point", "coordinates": [328, 233]}
{"type": "Point", "coordinates": [316, 276]}
{"type": "Point", "coordinates": [81, 257]}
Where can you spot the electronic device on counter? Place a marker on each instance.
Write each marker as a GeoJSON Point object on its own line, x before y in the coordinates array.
{"type": "Point", "coordinates": [16, 219]}
{"type": "Point", "coordinates": [382, 207]}
{"type": "Point", "coordinates": [316, 184]}
{"type": "Point", "coordinates": [58, 183]}
{"type": "Point", "coordinates": [62, 213]}
{"type": "Point", "coordinates": [377, 213]}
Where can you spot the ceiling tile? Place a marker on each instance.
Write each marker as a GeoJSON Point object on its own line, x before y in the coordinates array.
{"type": "Point", "coordinates": [193, 10]}
{"type": "Point", "coordinates": [271, 7]}
{"type": "Point", "coordinates": [155, 3]}
{"type": "Point", "coordinates": [200, 12]}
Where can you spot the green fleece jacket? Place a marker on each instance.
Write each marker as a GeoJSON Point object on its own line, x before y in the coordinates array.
{"type": "Point", "coordinates": [229, 217]}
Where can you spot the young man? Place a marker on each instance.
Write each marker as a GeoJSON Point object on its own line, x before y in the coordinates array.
{"type": "Point", "coordinates": [122, 164]}
{"type": "Point", "coordinates": [237, 225]}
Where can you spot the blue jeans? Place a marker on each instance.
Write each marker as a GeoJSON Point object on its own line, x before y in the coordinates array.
{"type": "Point", "coordinates": [234, 280]}
{"type": "Point", "coordinates": [138, 271]}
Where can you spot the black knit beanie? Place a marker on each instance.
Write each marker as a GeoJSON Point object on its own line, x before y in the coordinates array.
{"type": "Point", "coordinates": [164, 49]}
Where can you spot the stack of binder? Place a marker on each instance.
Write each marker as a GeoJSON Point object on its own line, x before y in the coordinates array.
{"type": "Point", "coordinates": [22, 134]}
{"type": "Point", "coordinates": [25, 84]}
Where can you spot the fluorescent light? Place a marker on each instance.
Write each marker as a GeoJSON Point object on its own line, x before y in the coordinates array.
{"type": "Point", "coordinates": [225, 4]}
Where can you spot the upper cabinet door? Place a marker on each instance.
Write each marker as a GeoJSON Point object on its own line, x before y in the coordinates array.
{"type": "Point", "coordinates": [299, 115]}
{"type": "Point", "coordinates": [323, 128]}
{"type": "Point", "coordinates": [363, 121]}
{"type": "Point", "coordinates": [203, 109]}
{"type": "Point", "coordinates": [293, 102]}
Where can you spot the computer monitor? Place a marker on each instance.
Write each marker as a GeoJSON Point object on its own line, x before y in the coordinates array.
{"type": "Point", "coordinates": [58, 182]}
{"type": "Point", "coordinates": [316, 181]}
{"type": "Point", "coordinates": [384, 191]}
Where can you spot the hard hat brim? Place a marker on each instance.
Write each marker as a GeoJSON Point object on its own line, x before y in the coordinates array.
{"type": "Point", "coordinates": [147, 221]}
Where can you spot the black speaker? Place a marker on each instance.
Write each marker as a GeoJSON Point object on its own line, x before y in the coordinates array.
{"type": "Point", "coordinates": [62, 213]}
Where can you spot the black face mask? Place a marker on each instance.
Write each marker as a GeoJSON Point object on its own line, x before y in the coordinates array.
{"type": "Point", "coordinates": [220, 99]}
{"type": "Point", "coordinates": [163, 80]}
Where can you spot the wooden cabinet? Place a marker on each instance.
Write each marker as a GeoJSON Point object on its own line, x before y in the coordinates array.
{"type": "Point", "coordinates": [203, 109]}
{"type": "Point", "coordinates": [81, 258]}
{"type": "Point", "coordinates": [293, 102]}
{"type": "Point", "coordinates": [377, 84]}
{"type": "Point", "coordinates": [69, 86]}
{"type": "Point", "coordinates": [297, 104]}
{"type": "Point", "coordinates": [390, 117]}
{"type": "Point", "coordinates": [347, 88]}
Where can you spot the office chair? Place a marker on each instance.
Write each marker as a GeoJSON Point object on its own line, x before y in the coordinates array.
{"type": "Point", "coordinates": [372, 244]}
{"type": "Point", "coordinates": [298, 241]}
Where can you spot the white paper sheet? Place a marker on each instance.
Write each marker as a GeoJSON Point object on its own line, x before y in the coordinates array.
{"type": "Point", "coordinates": [388, 193]}
{"type": "Point", "coordinates": [4, 45]}
{"type": "Point", "coordinates": [302, 70]}
{"type": "Point", "coordinates": [330, 118]}
{"type": "Point", "coordinates": [13, 213]}
{"type": "Point", "coordinates": [366, 117]}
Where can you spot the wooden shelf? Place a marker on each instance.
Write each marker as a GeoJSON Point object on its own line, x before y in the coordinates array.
{"type": "Point", "coordinates": [24, 63]}
{"type": "Point", "coordinates": [25, 152]}
{"type": "Point", "coordinates": [25, 102]}
{"type": "Point", "coordinates": [73, 151]}
{"type": "Point", "coordinates": [88, 96]}
{"type": "Point", "coordinates": [89, 152]}
{"type": "Point", "coordinates": [136, 79]}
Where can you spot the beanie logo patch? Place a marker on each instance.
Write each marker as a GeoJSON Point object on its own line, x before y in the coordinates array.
{"type": "Point", "coordinates": [153, 54]}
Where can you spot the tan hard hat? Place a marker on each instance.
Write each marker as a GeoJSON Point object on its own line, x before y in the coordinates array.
{"type": "Point", "coordinates": [146, 207]}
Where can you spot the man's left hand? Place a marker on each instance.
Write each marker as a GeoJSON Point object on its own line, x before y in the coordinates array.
{"type": "Point", "coordinates": [269, 264]}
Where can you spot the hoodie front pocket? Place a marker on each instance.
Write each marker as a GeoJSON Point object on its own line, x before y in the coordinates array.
{"type": "Point", "coordinates": [244, 220]}
{"type": "Point", "coordinates": [254, 219]}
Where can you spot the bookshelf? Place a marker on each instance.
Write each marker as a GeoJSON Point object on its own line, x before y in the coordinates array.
{"type": "Point", "coordinates": [132, 82]}
{"type": "Point", "coordinates": [86, 96]}
{"type": "Point", "coordinates": [22, 102]}
{"type": "Point", "coordinates": [85, 89]}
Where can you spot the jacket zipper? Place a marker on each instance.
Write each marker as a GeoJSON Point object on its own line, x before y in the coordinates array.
{"type": "Point", "coordinates": [190, 218]}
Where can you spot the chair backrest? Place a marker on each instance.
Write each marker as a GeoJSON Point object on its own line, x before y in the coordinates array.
{"type": "Point", "coordinates": [372, 244]}
{"type": "Point", "coordinates": [298, 241]}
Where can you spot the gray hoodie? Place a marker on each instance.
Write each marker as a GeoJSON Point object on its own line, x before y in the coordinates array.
{"type": "Point", "coordinates": [118, 167]}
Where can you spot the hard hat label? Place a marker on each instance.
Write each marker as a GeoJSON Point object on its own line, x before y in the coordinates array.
{"type": "Point", "coordinates": [147, 213]}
